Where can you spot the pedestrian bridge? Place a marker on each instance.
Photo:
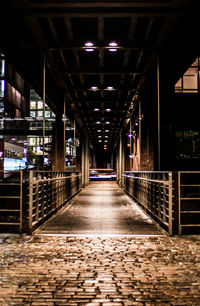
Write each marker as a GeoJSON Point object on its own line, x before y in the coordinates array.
{"type": "Point", "coordinates": [169, 199]}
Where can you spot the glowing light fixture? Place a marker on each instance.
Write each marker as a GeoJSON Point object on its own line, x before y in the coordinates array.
{"type": "Point", "coordinates": [130, 135]}
{"type": "Point", "coordinates": [112, 49]}
{"type": "Point", "coordinates": [106, 140]}
{"type": "Point", "coordinates": [94, 88]}
{"type": "Point", "coordinates": [96, 109]}
{"type": "Point", "coordinates": [89, 49]}
{"type": "Point", "coordinates": [106, 136]}
{"type": "Point", "coordinates": [106, 131]}
{"type": "Point", "coordinates": [108, 109]}
{"type": "Point", "coordinates": [113, 44]}
{"type": "Point", "coordinates": [110, 88]}
{"type": "Point", "coordinates": [99, 136]}
{"type": "Point", "coordinates": [107, 122]}
{"type": "Point", "coordinates": [89, 44]}
{"type": "Point", "coordinates": [98, 130]}
{"type": "Point", "coordinates": [100, 140]}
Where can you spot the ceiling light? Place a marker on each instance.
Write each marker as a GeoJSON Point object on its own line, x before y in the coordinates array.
{"type": "Point", "coordinates": [108, 109]}
{"type": "Point", "coordinates": [89, 44]}
{"type": "Point", "coordinates": [105, 148]}
{"type": "Point", "coordinates": [98, 122]}
{"type": "Point", "coordinates": [94, 88]}
{"type": "Point", "coordinates": [100, 140]}
{"type": "Point", "coordinates": [106, 136]}
{"type": "Point", "coordinates": [99, 136]}
{"type": "Point", "coordinates": [96, 109]}
{"type": "Point", "coordinates": [89, 49]}
{"type": "Point", "coordinates": [106, 131]}
{"type": "Point", "coordinates": [98, 130]}
{"type": "Point", "coordinates": [112, 49]}
{"type": "Point", "coordinates": [107, 122]}
{"type": "Point", "coordinates": [106, 140]}
{"type": "Point", "coordinates": [110, 88]}
{"type": "Point", "coordinates": [130, 135]}
{"type": "Point", "coordinates": [113, 44]}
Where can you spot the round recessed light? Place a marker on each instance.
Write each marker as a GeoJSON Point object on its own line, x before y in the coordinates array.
{"type": "Point", "coordinates": [100, 140]}
{"type": "Point", "coordinates": [98, 122]}
{"type": "Point", "coordinates": [108, 109]}
{"type": "Point", "coordinates": [98, 130]}
{"type": "Point", "coordinates": [106, 136]}
{"type": "Point", "coordinates": [113, 44]}
{"type": "Point", "coordinates": [110, 88]}
{"type": "Point", "coordinates": [89, 49]}
{"type": "Point", "coordinates": [106, 140]}
{"type": "Point", "coordinates": [106, 131]}
{"type": "Point", "coordinates": [99, 136]}
{"type": "Point", "coordinates": [96, 109]}
{"type": "Point", "coordinates": [94, 88]}
{"type": "Point", "coordinates": [107, 122]}
{"type": "Point", "coordinates": [89, 44]}
{"type": "Point", "coordinates": [112, 49]}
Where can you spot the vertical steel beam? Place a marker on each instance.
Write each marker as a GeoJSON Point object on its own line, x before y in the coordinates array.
{"type": "Point", "coordinates": [158, 105]}
{"type": "Point", "coordinates": [140, 133]}
{"type": "Point", "coordinates": [44, 100]}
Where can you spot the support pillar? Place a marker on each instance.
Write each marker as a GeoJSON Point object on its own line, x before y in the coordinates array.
{"type": "Point", "coordinates": [58, 154]}
{"type": "Point", "coordinates": [158, 104]}
{"type": "Point", "coordinates": [85, 160]}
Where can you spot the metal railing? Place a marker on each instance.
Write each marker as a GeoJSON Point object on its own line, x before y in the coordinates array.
{"type": "Point", "coordinates": [189, 202]}
{"type": "Point", "coordinates": [153, 191]}
{"type": "Point", "coordinates": [11, 197]}
{"type": "Point", "coordinates": [48, 191]}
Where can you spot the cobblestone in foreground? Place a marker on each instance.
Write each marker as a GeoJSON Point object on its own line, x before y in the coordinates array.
{"type": "Point", "coordinates": [63, 270]}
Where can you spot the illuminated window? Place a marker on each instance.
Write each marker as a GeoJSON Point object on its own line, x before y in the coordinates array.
{"type": "Point", "coordinates": [33, 105]}
{"type": "Point", "coordinates": [2, 88]}
{"type": "Point", "coordinates": [40, 105]}
{"type": "Point", "coordinates": [189, 82]}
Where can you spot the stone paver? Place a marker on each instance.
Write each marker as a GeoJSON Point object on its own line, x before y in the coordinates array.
{"type": "Point", "coordinates": [99, 270]}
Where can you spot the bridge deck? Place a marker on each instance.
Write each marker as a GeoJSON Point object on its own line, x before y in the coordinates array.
{"type": "Point", "coordinates": [101, 209]}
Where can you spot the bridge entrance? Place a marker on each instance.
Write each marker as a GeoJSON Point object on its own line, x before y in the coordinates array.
{"type": "Point", "coordinates": [102, 208]}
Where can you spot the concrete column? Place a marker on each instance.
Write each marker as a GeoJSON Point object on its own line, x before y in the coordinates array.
{"type": "Point", "coordinates": [85, 160]}
{"type": "Point", "coordinates": [58, 150]}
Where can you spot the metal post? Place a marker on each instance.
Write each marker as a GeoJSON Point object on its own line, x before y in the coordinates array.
{"type": "Point", "coordinates": [179, 203]}
{"type": "Point", "coordinates": [130, 145]}
{"type": "Point", "coordinates": [64, 134]}
{"type": "Point", "coordinates": [30, 200]}
{"type": "Point", "coordinates": [158, 100]}
{"type": "Point", "coordinates": [120, 157]}
{"type": "Point", "coordinates": [170, 205]}
{"type": "Point", "coordinates": [44, 96]}
{"type": "Point", "coordinates": [21, 198]}
{"type": "Point", "coordinates": [140, 132]}
{"type": "Point", "coordinates": [75, 138]}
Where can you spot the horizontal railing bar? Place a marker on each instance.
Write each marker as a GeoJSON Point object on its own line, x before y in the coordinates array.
{"type": "Point", "coordinates": [9, 223]}
{"type": "Point", "coordinates": [11, 210]}
{"type": "Point", "coordinates": [148, 180]}
{"type": "Point", "coordinates": [9, 197]}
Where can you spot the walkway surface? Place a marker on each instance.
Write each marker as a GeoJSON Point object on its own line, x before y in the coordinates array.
{"type": "Point", "coordinates": [101, 209]}
{"type": "Point", "coordinates": [112, 270]}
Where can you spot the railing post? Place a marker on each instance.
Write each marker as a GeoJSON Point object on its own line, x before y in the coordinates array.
{"type": "Point", "coordinates": [21, 199]}
{"type": "Point", "coordinates": [179, 203]}
{"type": "Point", "coordinates": [170, 204]}
{"type": "Point", "coordinates": [30, 200]}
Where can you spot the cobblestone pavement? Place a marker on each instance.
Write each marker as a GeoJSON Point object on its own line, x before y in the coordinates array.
{"type": "Point", "coordinates": [99, 270]}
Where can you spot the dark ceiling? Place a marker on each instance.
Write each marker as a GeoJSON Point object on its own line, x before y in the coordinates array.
{"type": "Point", "coordinates": [100, 85]}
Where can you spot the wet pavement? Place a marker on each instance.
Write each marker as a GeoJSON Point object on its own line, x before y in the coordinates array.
{"type": "Point", "coordinates": [92, 266]}
{"type": "Point", "coordinates": [99, 270]}
{"type": "Point", "coordinates": [101, 209]}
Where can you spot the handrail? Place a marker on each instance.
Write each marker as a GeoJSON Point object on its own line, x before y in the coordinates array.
{"type": "Point", "coordinates": [155, 196]}
{"type": "Point", "coordinates": [48, 195]}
